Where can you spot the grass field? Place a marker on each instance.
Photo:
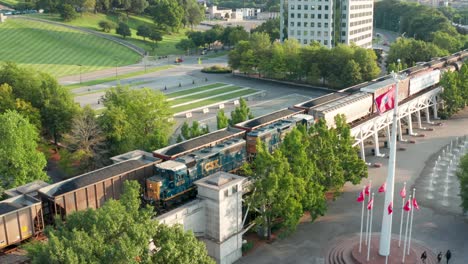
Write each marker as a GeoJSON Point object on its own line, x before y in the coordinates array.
{"type": "Point", "coordinates": [58, 50]}
{"type": "Point", "coordinates": [214, 100]}
{"type": "Point", "coordinates": [205, 94]}
{"type": "Point", "coordinates": [194, 90]}
{"type": "Point", "coordinates": [11, 3]}
{"type": "Point", "coordinates": [90, 21]}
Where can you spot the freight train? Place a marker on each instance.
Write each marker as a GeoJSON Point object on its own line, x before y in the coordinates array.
{"type": "Point", "coordinates": [168, 174]}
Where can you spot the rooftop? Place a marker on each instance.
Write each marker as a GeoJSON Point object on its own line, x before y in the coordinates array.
{"type": "Point", "coordinates": [15, 203]}
{"type": "Point", "coordinates": [31, 188]}
{"type": "Point", "coordinates": [220, 180]}
{"type": "Point", "coordinates": [268, 119]}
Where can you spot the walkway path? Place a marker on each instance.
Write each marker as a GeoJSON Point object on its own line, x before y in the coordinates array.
{"type": "Point", "coordinates": [436, 227]}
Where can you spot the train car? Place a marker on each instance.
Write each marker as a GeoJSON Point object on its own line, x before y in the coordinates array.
{"type": "Point", "coordinates": [20, 218]}
{"type": "Point", "coordinates": [424, 80]}
{"type": "Point", "coordinates": [175, 177]}
{"type": "Point", "coordinates": [93, 189]}
{"type": "Point", "coordinates": [321, 100]}
{"type": "Point", "coordinates": [29, 188]}
{"type": "Point", "coordinates": [273, 134]}
{"type": "Point", "coordinates": [265, 120]}
{"type": "Point", "coordinates": [354, 107]}
{"type": "Point", "coordinates": [208, 140]}
{"type": "Point", "coordinates": [133, 155]}
{"type": "Point", "coordinates": [378, 88]}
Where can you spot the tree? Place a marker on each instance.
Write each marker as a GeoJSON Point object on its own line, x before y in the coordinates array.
{"type": "Point", "coordinates": [155, 36]}
{"type": "Point", "coordinates": [238, 34]}
{"type": "Point", "coordinates": [193, 131]}
{"type": "Point", "coordinates": [241, 113]}
{"type": "Point", "coordinates": [447, 41]}
{"type": "Point", "coordinates": [67, 12]}
{"type": "Point", "coordinates": [354, 168]}
{"type": "Point", "coordinates": [275, 191]}
{"type": "Point", "coordinates": [452, 95]}
{"type": "Point", "coordinates": [221, 120]}
{"type": "Point", "coordinates": [86, 140]}
{"type": "Point", "coordinates": [367, 61]}
{"type": "Point", "coordinates": [167, 14]}
{"type": "Point", "coordinates": [351, 74]}
{"type": "Point", "coordinates": [178, 246]}
{"type": "Point", "coordinates": [123, 30]}
{"type": "Point", "coordinates": [138, 6]}
{"type": "Point", "coordinates": [185, 45]}
{"type": "Point", "coordinates": [20, 161]}
{"type": "Point", "coordinates": [270, 27]}
{"type": "Point", "coordinates": [195, 13]}
{"type": "Point", "coordinates": [54, 102]}
{"type": "Point", "coordinates": [143, 31]}
{"type": "Point", "coordinates": [462, 175]}
{"type": "Point", "coordinates": [118, 232]}
{"type": "Point", "coordinates": [103, 5]}
{"type": "Point", "coordinates": [135, 119]}
{"type": "Point", "coordinates": [9, 102]}
{"type": "Point", "coordinates": [106, 26]}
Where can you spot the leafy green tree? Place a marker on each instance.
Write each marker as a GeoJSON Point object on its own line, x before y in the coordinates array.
{"type": "Point", "coordinates": [221, 119]}
{"type": "Point", "coordinates": [118, 232]}
{"type": "Point", "coordinates": [462, 175]}
{"type": "Point", "coordinates": [106, 26]}
{"type": "Point", "coordinates": [193, 131]}
{"type": "Point", "coordinates": [451, 95]}
{"type": "Point", "coordinates": [195, 13]}
{"type": "Point", "coordinates": [178, 246]}
{"type": "Point", "coordinates": [185, 130]}
{"type": "Point", "coordinates": [270, 27]}
{"type": "Point", "coordinates": [67, 12]}
{"type": "Point", "coordinates": [54, 102]}
{"type": "Point", "coordinates": [8, 102]}
{"type": "Point", "coordinates": [197, 37]}
{"type": "Point", "coordinates": [411, 51]}
{"type": "Point", "coordinates": [241, 113]}
{"type": "Point", "coordinates": [367, 60]}
{"type": "Point", "coordinates": [185, 45]}
{"type": "Point", "coordinates": [123, 30]}
{"type": "Point", "coordinates": [275, 192]}
{"type": "Point", "coordinates": [351, 74]}
{"type": "Point", "coordinates": [138, 6]}
{"type": "Point", "coordinates": [155, 36]}
{"type": "Point", "coordinates": [143, 31]}
{"type": "Point", "coordinates": [354, 168]}
{"type": "Point", "coordinates": [20, 161]}
{"type": "Point", "coordinates": [302, 166]}
{"type": "Point", "coordinates": [103, 5]}
{"type": "Point", "coordinates": [238, 34]}
{"type": "Point", "coordinates": [447, 41]}
{"type": "Point", "coordinates": [135, 119]}
{"type": "Point", "coordinates": [167, 14]}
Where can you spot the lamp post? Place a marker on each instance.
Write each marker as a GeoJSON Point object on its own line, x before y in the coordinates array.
{"type": "Point", "coordinates": [80, 71]}
{"type": "Point", "coordinates": [386, 233]}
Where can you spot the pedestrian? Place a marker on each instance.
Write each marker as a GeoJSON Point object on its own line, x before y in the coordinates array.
{"type": "Point", "coordinates": [424, 257]}
{"type": "Point", "coordinates": [439, 257]}
{"type": "Point", "coordinates": [448, 255]}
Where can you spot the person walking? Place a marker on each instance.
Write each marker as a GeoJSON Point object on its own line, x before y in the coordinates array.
{"type": "Point", "coordinates": [424, 257]}
{"type": "Point", "coordinates": [439, 257]}
{"type": "Point", "coordinates": [448, 255]}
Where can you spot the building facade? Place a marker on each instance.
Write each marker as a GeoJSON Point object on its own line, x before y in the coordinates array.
{"type": "Point", "coordinates": [331, 21]}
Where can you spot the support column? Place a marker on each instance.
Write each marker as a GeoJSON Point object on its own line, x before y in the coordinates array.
{"type": "Point", "coordinates": [400, 132]}
{"type": "Point", "coordinates": [410, 126]}
{"type": "Point", "coordinates": [376, 143]}
{"type": "Point", "coordinates": [419, 120]}
{"type": "Point", "coordinates": [363, 152]}
{"type": "Point", "coordinates": [434, 107]}
{"type": "Point", "coordinates": [428, 118]}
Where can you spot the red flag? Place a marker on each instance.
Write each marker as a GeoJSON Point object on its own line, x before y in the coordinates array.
{"type": "Point", "coordinates": [370, 204]}
{"type": "Point", "coordinates": [403, 192]}
{"type": "Point", "coordinates": [407, 206]}
{"type": "Point", "coordinates": [390, 208]}
{"type": "Point", "coordinates": [383, 187]}
{"type": "Point", "coordinates": [386, 101]}
{"type": "Point", "coordinates": [367, 190]}
{"type": "Point", "coordinates": [361, 197]}
{"type": "Point", "coordinates": [415, 204]}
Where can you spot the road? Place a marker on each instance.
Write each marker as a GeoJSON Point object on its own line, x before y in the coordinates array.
{"type": "Point", "coordinates": [434, 226]}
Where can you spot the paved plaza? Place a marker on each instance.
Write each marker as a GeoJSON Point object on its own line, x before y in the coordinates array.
{"type": "Point", "coordinates": [437, 226]}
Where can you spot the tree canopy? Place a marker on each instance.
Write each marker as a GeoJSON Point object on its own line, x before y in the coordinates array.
{"type": "Point", "coordinates": [118, 232]}
{"type": "Point", "coordinates": [241, 113]}
{"type": "Point", "coordinates": [135, 119]}
{"type": "Point", "coordinates": [462, 175]}
{"type": "Point", "coordinates": [455, 93]}
{"type": "Point", "coordinates": [20, 161]}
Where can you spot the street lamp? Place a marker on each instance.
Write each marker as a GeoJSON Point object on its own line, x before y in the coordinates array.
{"type": "Point", "coordinates": [80, 71]}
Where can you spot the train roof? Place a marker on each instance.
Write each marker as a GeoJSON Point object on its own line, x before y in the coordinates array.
{"type": "Point", "coordinates": [29, 188]}
{"type": "Point", "coordinates": [274, 126]}
{"type": "Point", "coordinates": [210, 151]}
{"type": "Point", "coordinates": [134, 155]}
{"type": "Point", "coordinates": [267, 119]}
{"type": "Point", "coordinates": [197, 143]}
{"type": "Point", "coordinates": [15, 203]}
{"type": "Point", "coordinates": [374, 87]}
{"type": "Point", "coordinates": [322, 99]}
{"type": "Point", "coordinates": [340, 103]}
{"type": "Point", "coordinates": [92, 177]}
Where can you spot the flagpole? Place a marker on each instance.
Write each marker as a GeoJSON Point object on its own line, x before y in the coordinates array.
{"type": "Point", "coordinates": [406, 232]}
{"type": "Point", "coordinates": [402, 213]}
{"type": "Point", "coordinates": [367, 221]}
{"type": "Point", "coordinates": [411, 221]}
{"type": "Point", "coordinates": [370, 227]}
{"type": "Point", "coordinates": [386, 233]}
{"type": "Point", "coordinates": [362, 220]}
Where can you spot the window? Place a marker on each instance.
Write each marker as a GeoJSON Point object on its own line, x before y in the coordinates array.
{"type": "Point", "coordinates": [326, 7]}
{"type": "Point", "coordinates": [299, 7]}
{"type": "Point", "coordinates": [306, 16]}
{"type": "Point", "coordinates": [325, 42]}
{"type": "Point", "coordinates": [343, 24]}
{"type": "Point", "coordinates": [319, 16]}
{"type": "Point", "coordinates": [319, 33]}
{"type": "Point", "coordinates": [234, 189]}
{"type": "Point", "coordinates": [292, 15]}
{"type": "Point", "coordinates": [305, 41]}
{"type": "Point", "coordinates": [305, 24]}
{"type": "Point", "coordinates": [319, 24]}
{"type": "Point", "coordinates": [292, 7]}
{"type": "Point", "coordinates": [305, 32]}
{"type": "Point", "coordinates": [299, 15]}
{"type": "Point", "coordinates": [226, 193]}
{"type": "Point", "coordinates": [298, 32]}
{"type": "Point", "coordinates": [326, 16]}
{"type": "Point", "coordinates": [306, 7]}
{"type": "Point", "coordinates": [325, 33]}
{"type": "Point", "coordinates": [343, 33]}
{"type": "Point", "coordinates": [298, 24]}
{"type": "Point", "coordinates": [312, 16]}
{"type": "Point", "coordinates": [292, 24]}
{"type": "Point", "coordinates": [319, 7]}
{"type": "Point", "coordinates": [325, 25]}
{"type": "Point", "coordinates": [312, 24]}
{"type": "Point", "coordinates": [312, 33]}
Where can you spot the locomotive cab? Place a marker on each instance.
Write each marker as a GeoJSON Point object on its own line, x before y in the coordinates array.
{"type": "Point", "coordinates": [169, 180]}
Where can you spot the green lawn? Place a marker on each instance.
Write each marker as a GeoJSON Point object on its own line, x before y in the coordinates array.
{"type": "Point", "coordinates": [90, 21]}
{"type": "Point", "coordinates": [119, 77]}
{"type": "Point", "coordinates": [194, 90]}
{"type": "Point", "coordinates": [205, 94]}
{"type": "Point", "coordinates": [10, 3]}
{"type": "Point", "coordinates": [214, 100]}
{"type": "Point", "coordinates": [58, 50]}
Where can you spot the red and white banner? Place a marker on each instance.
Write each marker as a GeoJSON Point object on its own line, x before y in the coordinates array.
{"type": "Point", "coordinates": [383, 188]}
{"type": "Point", "coordinates": [390, 208]}
{"type": "Point", "coordinates": [415, 204]}
{"type": "Point", "coordinates": [361, 197]}
{"type": "Point", "coordinates": [386, 101]}
{"type": "Point", "coordinates": [407, 206]}
{"type": "Point", "coordinates": [370, 204]}
{"type": "Point", "coordinates": [403, 192]}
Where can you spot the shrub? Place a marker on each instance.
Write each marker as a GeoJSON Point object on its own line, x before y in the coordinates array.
{"type": "Point", "coordinates": [68, 13]}
{"type": "Point", "coordinates": [106, 26]}
{"type": "Point", "coordinates": [216, 69]}
{"type": "Point", "coordinates": [247, 246]}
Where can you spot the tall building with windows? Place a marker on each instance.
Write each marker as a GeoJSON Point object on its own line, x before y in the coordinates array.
{"type": "Point", "coordinates": [330, 21]}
